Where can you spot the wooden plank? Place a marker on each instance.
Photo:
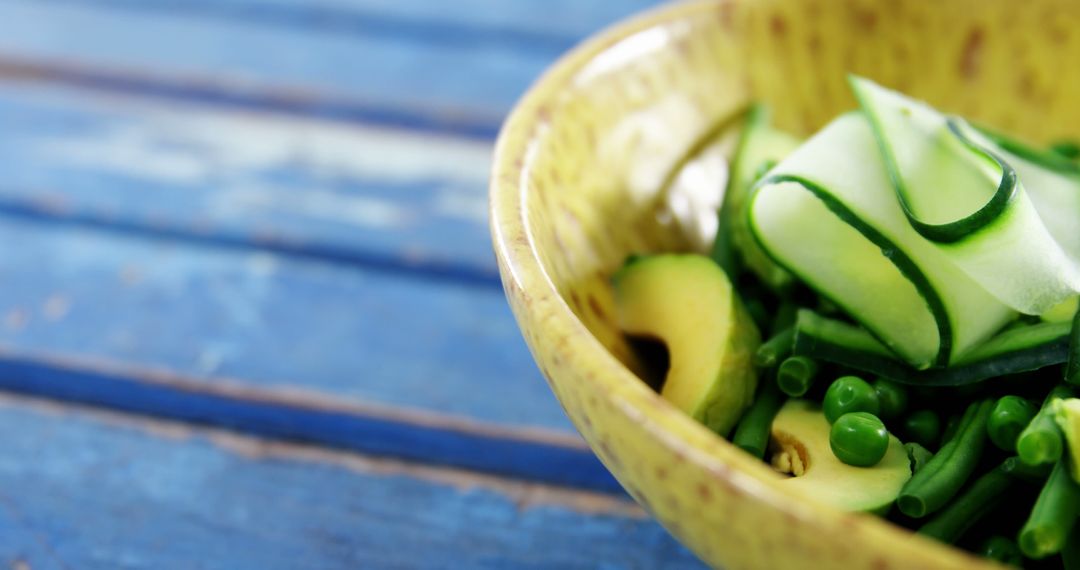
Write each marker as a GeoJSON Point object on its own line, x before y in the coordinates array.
{"type": "Point", "coordinates": [291, 348]}
{"type": "Point", "coordinates": [523, 24]}
{"type": "Point", "coordinates": [522, 453]}
{"type": "Point", "coordinates": [345, 331]}
{"type": "Point", "coordinates": [91, 490]}
{"type": "Point", "coordinates": [461, 88]}
{"type": "Point", "coordinates": [392, 200]}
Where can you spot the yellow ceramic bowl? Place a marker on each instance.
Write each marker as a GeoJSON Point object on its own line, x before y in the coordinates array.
{"type": "Point", "coordinates": [580, 161]}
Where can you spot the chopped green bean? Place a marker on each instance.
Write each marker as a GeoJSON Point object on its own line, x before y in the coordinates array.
{"type": "Point", "coordinates": [951, 426]}
{"type": "Point", "coordinates": [1024, 472]}
{"type": "Point", "coordinates": [918, 455]}
{"type": "Point", "coordinates": [776, 349]}
{"type": "Point", "coordinates": [1072, 368]}
{"type": "Point", "coordinates": [1054, 516]}
{"type": "Point", "coordinates": [758, 313]}
{"type": "Point", "coordinates": [796, 374]}
{"type": "Point", "coordinates": [1066, 149]}
{"type": "Point", "coordinates": [1010, 416]}
{"type": "Point", "coordinates": [752, 433]}
{"type": "Point", "coordinates": [1070, 555]}
{"type": "Point", "coordinates": [923, 427]}
{"type": "Point", "coordinates": [1002, 550]}
{"type": "Point", "coordinates": [785, 317]}
{"type": "Point", "coordinates": [944, 475]}
{"type": "Point", "coordinates": [951, 522]}
{"type": "Point", "coordinates": [1041, 443]}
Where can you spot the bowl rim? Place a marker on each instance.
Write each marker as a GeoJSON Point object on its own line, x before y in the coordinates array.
{"type": "Point", "coordinates": [521, 268]}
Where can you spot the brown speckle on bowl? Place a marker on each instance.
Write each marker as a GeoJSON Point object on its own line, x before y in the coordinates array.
{"type": "Point", "coordinates": [971, 56]}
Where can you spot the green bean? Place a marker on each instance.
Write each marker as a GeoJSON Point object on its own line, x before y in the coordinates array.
{"type": "Point", "coordinates": [1024, 472]}
{"type": "Point", "coordinates": [796, 374]}
{"type": "Point", "coordinates": [1002, 550]}
{"type": "Point", "coordinates": [951, 522]}
{"type": "Point", "coordinates": [1070, 555]}
{"type": "Point", "coordinates": [1054, 516]}
{"type": "Point", "coordinates": [776, 349]}
{"type": "Point", "coordinates": [892, 397]}
{"type": "Point", "coordinates": [1066, 149]}
{"type": "Point", "coordinates": [923, 427]}
{"type": "Point", "coordinates": [785, 317]}
{"type": "Point", "coordinates": [944, 475]}
{"type": "Point", "coordinates": [723, 250]}
{"type": "Point", "coordinates": [1040, 443]}
{"type": "Point", "coordinates": [752, 433]}
{"type": "Point", "coordinates": [950, 428]}
{"type": "Point", "coordinates": [1010, 416]}
{"type": "Point", "coordinates": [1072, 368]}
{"type": "Point", "coordinates": [917, 455]}
{"type": "Point", "coordinates": [757, 311]}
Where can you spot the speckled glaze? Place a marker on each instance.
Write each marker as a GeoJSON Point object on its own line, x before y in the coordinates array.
{"type": "Point", "coordinates": [577, 169]}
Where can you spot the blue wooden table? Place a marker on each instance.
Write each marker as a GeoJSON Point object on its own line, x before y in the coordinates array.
{"type": "Point", "coordinates": [249, 313]}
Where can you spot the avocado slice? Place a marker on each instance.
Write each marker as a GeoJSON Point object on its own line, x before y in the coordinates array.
{"type": "Point", "coordinates": [800, 446]}
{"type": "Point", "coordinates": [686, 302]}
{"type": "Point", "coordinates": [1067, 415]}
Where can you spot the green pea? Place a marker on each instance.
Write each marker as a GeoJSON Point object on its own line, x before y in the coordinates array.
{"type": "Point", "coordinates": [923, 427]}
{"type": "Point", "coordinates": [1003, 550]}
{"type": "Point", "coordinates": [849, 394]}
{"type": "Point", "coordinates": [1011, 414]}
{"type": "Point", "coordinates": [859, 439]}
{"type": "Point", "coordinates": [892, 397]}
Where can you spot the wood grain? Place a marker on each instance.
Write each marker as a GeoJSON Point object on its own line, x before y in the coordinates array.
{"type": "Point", "coordinates": [386, 199]}
{"type": "Point", "coordinates": [86, 490]}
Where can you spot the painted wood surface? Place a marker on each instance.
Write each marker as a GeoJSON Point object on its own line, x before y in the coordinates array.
{"type": "Point", "coordinates": [282, 347]}
{"type": "Point", "coordinates": [268, 216]}
{"type": "Point", "coordinates": [387, 199]}
{"type": "Point", "coordinates": [453, 87]}
{"type": "Point", "coordinates": [433, 71]}
{"type": "Point", "coordinates": [89, 490]}
{"type": "Point", "coordinates": [522, 24]}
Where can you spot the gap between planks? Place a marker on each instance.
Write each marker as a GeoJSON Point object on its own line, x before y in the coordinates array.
{"type": "Point", "coordinates": [353, 20]}
{"type": "Point", "coordinates": [525, 495]}
{"type": "Point", "coordinates": [523, 453]}
{"type": "Point", "coordinates": [223, 92]}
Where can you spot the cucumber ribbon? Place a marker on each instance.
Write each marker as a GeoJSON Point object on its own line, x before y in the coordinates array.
{"type": "Point", "coordinates": [930, 233]}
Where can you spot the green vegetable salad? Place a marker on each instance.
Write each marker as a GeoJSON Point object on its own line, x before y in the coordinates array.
{"type": "Point", "coordinates": [903, 287]}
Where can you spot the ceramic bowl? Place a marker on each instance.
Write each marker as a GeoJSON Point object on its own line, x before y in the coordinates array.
{"type": "Point", "coordinates": [574, 190]}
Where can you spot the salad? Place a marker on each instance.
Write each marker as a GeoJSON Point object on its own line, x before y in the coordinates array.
{"type": "Point", "coordinates": [889, 319]}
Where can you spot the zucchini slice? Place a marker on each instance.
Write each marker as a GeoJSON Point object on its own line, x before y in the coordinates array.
{"type": "Point", "coordinates": [760, 147]}
{"type": "Point", "coordinates": [1014, 350]}
{"type": "Point", "coordinates": [828, 214]}
{"type": "Point", "coordinates": [958, 191]}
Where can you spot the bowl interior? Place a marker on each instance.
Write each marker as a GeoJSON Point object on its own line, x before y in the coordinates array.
{"type": "Point", "coordinates": [623, 120]}
{"type": "Point", "coordinates": [581, 162]}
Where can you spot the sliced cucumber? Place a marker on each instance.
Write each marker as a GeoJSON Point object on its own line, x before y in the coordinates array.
{"type": "Point", "coordinates": [828, 214]}
{"type": "Point", "coordinates": [1053, 185]}
{"type": "Point", "coordinates": [960, 193]}
{"type": "Point", "coordinates": [1018, 349]}
{"type": "Point", "coordinates": [760, 147]}
{"type": "Point", "coordinates": [1063, 312]}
